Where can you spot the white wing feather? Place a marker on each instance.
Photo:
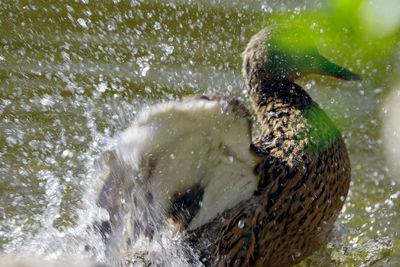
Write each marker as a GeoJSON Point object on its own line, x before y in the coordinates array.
{"type": "Point", "coordinates": [181, 144]}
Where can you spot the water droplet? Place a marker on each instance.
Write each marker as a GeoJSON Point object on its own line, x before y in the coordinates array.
{"type": "Point", "coordinates": [266, 8]}
{"type": "Point", "coordinates": [389, 202]}
{"type": "Point", "coordinates": [70, 8]}
{"type": "Point", "coordinates": [145, 69]}
{"type": "Point", "coordinates": [157, 26]}
{"type": "Point", "coordinates": [47, 101]}
{"type": "Point", "coordinates": [241, 224]}
{"type": "Point", "coordinates": [65, 56]}
{"type": "Point", "coordinates": [67, 153]}
{"type": "Point", "coordinates": [82, 22]}
{"type": "Point", "coordinates": [102, 87]}
{"type": "Point", "coordinates": [342, 198]}
{"type": "Point", "coordinates": [11, 140]}
{"type": "Point", "coordinates": [167, 48]}
{"type": "Point", "coordinates": [111, 27]}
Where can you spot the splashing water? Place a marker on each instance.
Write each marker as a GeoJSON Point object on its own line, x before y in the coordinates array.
{"type": "Point", "coordinates": [75, 74]}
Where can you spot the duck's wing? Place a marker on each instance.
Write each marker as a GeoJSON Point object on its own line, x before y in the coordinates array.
{"type": "Point", "coordinates": [192, 156]}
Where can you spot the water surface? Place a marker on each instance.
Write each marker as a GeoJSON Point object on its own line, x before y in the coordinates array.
{"type": "Point", "coordinates": [73, 74]}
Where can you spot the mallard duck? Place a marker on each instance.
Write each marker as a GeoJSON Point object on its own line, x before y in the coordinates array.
{"type": "Point", "coordinates": [270, 200]}
{"type": "Point", "coordinates": [304, 174]}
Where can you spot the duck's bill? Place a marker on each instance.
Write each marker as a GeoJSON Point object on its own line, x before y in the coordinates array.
{"type": "Point", "coordinates": [328, 68]}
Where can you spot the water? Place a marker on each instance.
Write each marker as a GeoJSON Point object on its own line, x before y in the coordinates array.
{"type": "Point", "coordinates": [74, 74]}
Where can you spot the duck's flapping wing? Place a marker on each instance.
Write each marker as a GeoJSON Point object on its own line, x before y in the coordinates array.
{"type": "Point", "coordinates": [192, 155]}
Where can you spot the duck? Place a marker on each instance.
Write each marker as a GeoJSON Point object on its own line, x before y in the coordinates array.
{"type": "Point", "coordinates": [304, 175]}
{"type": "Point", "coordinates": [234, 198]}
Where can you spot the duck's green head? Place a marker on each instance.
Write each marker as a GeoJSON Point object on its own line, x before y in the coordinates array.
{"type": "Point", "coordinates": [280, 53]}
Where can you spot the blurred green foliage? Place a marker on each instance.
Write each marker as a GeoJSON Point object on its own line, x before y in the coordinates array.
{"type": "Point", "coordinates": [366, 32]}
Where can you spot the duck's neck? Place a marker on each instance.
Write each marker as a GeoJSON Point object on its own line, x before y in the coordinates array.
{"type": "Point", "coordinates": [291, 123]}
{"type": "Point", "coordinates": [269, 95]}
